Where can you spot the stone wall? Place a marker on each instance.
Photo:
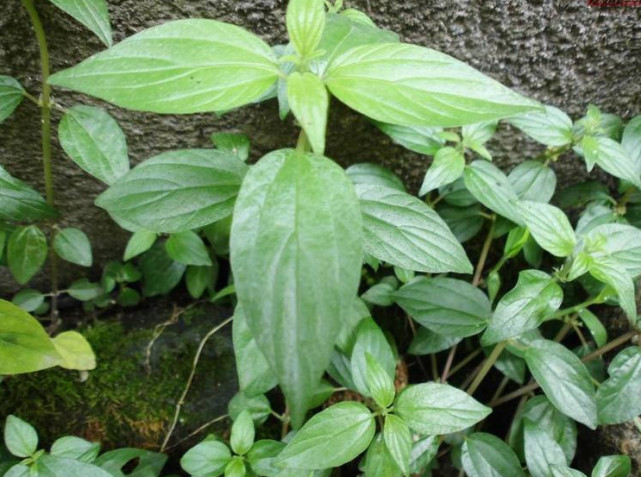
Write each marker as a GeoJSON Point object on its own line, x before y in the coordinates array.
{"type": "Point", "coordinates": [559, 52]}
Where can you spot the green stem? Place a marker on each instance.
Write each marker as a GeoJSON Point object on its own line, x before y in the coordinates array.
{"type": "Point", "coordinates": [484, 252]}
{"type": "Point", "coordinates": [487, 366]}
{"type": "Point", "coordinates": [302, 145]}
{"type": "Point", "coordinates": [574, 309]}
{"type": "Point", "coordinates": [45, 111]}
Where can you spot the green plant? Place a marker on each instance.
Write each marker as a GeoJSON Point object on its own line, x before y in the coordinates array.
{"type": "Point", "coordinates": [303, 232]}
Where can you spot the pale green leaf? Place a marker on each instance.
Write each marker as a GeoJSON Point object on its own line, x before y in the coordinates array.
{"type": "Point", "coordinates": [379, 383]}
{"type": "Point", "coordinates": [75, 350]}
{"type": "Point", "coordinates": [592, 323]}
{"type": "Point", "coordinates": [84, 290]}
{"type": "Point", "coordinates": [95, 142]}
{"type": "Point", "coordinates": [618, 397]}
{"type": "Point", "coordinates": [405, 232]}
{"type": "Point", "coordinates": [549, 226]}
{"type": "Point", "coordinates": [242, 433]}
{"type": "Point", "coordinates": [20, 437]}
{"type": "Point", "coordinates": [236, 144]}
{"type": "Point", "coordinates": [373, 174]}
{"type": "Point", "coordinates": [175, 191]}
{"type": "Point", "coordinates": [91, 13]}
{"type": "Point", "coordinates": [613, 466]}
{"type": "Point", "coordinates": [398, 441]}
{"type": "Point", "coordinates": [616, 242]}
{"type": "Point", "coordinates": [309, 101]}
{"type": "Point", "coordinates": [485, 455]}
{"type": "Point", "coordinates": [414, 86]}
{"type": "Point", "coordinates": [370, 340]}
{"type": "Point", "coordinates": [29, 300]}
{"type": "Point", "coordinates": [421, 139]}
{"type": "Point", "coordinates": [207, 458]}
{"type": "Point", "coordinates": [551, 127]}
{"type": "Point", "coordinates": [138, 243]}
{"type": "Point", "coordinates": [541, 451]}
{"type": "Point", "coordinates": [564, 471]}
{"type": "Point", "coordinates": [26, 252]}
{"type": "Point", "coordinates": [609, 271]}
{"type": "Point", "coordinates": [188, 248]}
{"type": "Point", "coordinates": [297, 218]}
{"type": "Point", "coordinates": [533, 180]}
{"type": "Point", "coordinates": [11, 94]}
{"type": "Point", "coordinates": [448, 165]}
{"type": "Point", "coordinates": [612, 158]}
{"type": "Point", "coordinates": [75, 448]}
{"type": "Point", "coordinates": [305, 23]}
{"type": "Point", "coordinates": [73, 245]}
{"type": "Point", "coordinates": [631, 140]}
{"type": "Point", "coordinates": [379, 461]}
{"type": "Point", "coordinates": [179, 67]}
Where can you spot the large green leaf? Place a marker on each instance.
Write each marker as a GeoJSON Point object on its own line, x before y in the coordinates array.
{"type": "Point", "coordinates": [160, 273]}
{"type": "Point", "coordinates": [184, 66]}
{"type": "Point", "coordinates": [613, 466]}
{"type": "Point", "coordinates": [404, 231]}
{"type": "Point", "coordinates": [188, 248]}
{"type": "Point", "coordinates": [446, 306]}
{"type": "Point", "coordinates": [19, 202]}
{"type": "Point", "coordinates": [379, 462]}
{"type": "Point", "coordinates": [485, 455]}
{"type": "Point", "coordinates": [24, 345]}
{"type": "Point", "coordinates": [175, 191]}
{"type": "Point", "coordinates": [533, 180]}
{"type": "Point", "coordinates": [618, 397]}
{"type": "Point", "coordinates": [551, 127]}
{"type": "Point", "coordinates": [491, 187]}
{"type": "Point", "coordinates": [331, 438]}
{"type": "Point", "coordinates": [523, 308]}
{"type": "Point", "coordinates": [618, 242]}
{"type": "Point", "coordinates": [398, 441]}
{"type": "Point", "coordinates": [410, 85]}
{"type": "Point", "coordinates": [309, 102]}
{"type": "Point", "coordinates": [26, 252]}
{"type": "Point", "coordinates": [612, 158]}
{"type": "Point", "coordinates": [91, 13]}
{"type": "Point", "coordinates": [93, 139]}
{"type": "Point", "coordinates": [434, 408]}
{"type": "Point", "coordinates": [541, 451]}
{"type": "Point", "coordinates": [75, 350]}
{"type": "Point", "coordinates": [610, 272]}
{"type": "Point", "coordinates": [564, 379]}
{"type": "Point", "coordinates": [305, 23]}
{"type": "Point", "coordinates": [11, 94]}
{"type": "Point", "coordinates": [73, 245]}
{"type": "Point", "coordinates": [549, 226]}
{"type": "Point", "coordinates": [296, 256]}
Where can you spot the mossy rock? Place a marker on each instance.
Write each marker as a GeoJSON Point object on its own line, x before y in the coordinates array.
{"type": "Point", "coordinates": [124, 402]}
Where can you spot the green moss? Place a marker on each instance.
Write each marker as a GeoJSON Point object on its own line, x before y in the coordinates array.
{"type": "Point", "coordinates": [120, 403]}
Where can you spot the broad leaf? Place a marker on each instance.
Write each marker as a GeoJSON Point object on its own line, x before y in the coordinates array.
{"type": "Point", "coordinates": [73, 246]}
{"type": "Point", "coordinates": [11, 94]}
{"type": "Point", "coordinates": [618, 397]}
{"type": "Point", "coordinates": [29, 300]}
{"type": "Point", "coordinates": [207, 458]}
{"type": "Point", "coordinates": [541, 451]}
{"type": "Point", "coordinates": [398, 441]}
{"type": "Point", "coordinates": [428, 342]}
{"type": "Point", "coordinates": [379, 461]}
{"type": "Point", "coordinates": [160, 273]}
{"type": "Point", "coordinates": [564, 379]}
{"type": "Point", "coordinates": [592, 323]}
{"type": "Point", "coordinates": [258, 406]}
{"type": "Point", "coordinates": [19, 202]}
{"type": "Point", "coordinates": [464, 222]}
{"type": "Point", "coordinates": [533, 180]}
{"type": "Point", "coordinates": [84, 290]}
{"type": "Point", "coordinates": [405, 232]}
{"type": "Point", "coordinates": [26, 252]}
{"type": "Point", "coordinates": [20, 437]}
{"type": "Point", "coordinates": [448, 165]}
{"type": "Point", "coordinates": [138, 243]}
{"type": "Point", "coordinates": [373, 174]}
{"type": "Point", "coordinates": [609, 272]}
{"type": "Point", "coordinates": [25, 347]}
{"type": "Point", "coordinates": [618, 242]}
{"type": "Point", "coordinates": [613, 466]}
{"type": "Point", "coordinates": [75, 350]}
{"type": "Point", "coordinates": [254, 374]}
{"type": "Point", "coordinates": [94, 141]}
{"type": "Point", "coordinates": [141, 462]}
{"type": "Point", "coordinates": [331, 438]}
{"type": "Point", "coordinates": [551, 127]}
{"type": "Point", "coordinates": [370, 340]}
{"type": "Point", "coordinates": [262, 457]}
{"type": "Point", "coordinates": [485, 455]}
{"type": "Point", "coordinates": [297, 218]}
{"type": "Point", "coordinates": [414, 86]}
{"type": "Point", "coordinates": [188, 248]}
{"type": "Point", "coordinates": [549, 226]}
{"type": "Point", "coordinates": [236, 144]}
{"type": "Point", "coordinates": [434, 408]}
{"type": "Point", "coordinates": [51, 465]}
{"type": "Point", "coordinates": [446, 306]}
{"type": "Point", "coordinates": [75, 448]}
{"type": "Point", "coordinates": [491, 187]}
{"type": "Point", "coordinates": [421, 139]}
{"type": "Point", "coordinates": [612, 158]}
{"type": "Point", "coordinates": [523, 308]}
{"type": "Point", "coordinates": [305, 24]}
{"type": "Point", "coordinates": [309, 101]}
{"type": "Point", "coordinates": [175, 191]}
{"type": "Point", "coordinates": [179, 67]}
{"type": "Point", "coordinates": [242, 433]}
{"type": "Point", "coordinates": [91, 13]}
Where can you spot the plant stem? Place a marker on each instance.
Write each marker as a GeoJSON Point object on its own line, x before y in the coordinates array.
{"type": "Point", "coordinates": [302, 145]}
{"type": "Point", "coordinates": [461, 364]}
{"type": "Point", "coordinates": [487, 366]}
{"type": "Point", "coordinates": [484, 252]}
{"type": "Point", "coordinates": [574, 309]}
{"type": "Point", "coordinates": [192, 373]}
{"type": "Point", "coordinates": [448, 363]}
{"type": "Point", "coordinates": [45, 111]}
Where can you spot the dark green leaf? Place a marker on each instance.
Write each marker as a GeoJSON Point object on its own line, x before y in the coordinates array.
{"type": "Point", "coordinates": [379, 461]}
{"type": "Point", "coordinates": [18, 202]}
{"type": "Point", "coordinates": [331, 438]}
{"type": "Point", "coordinates": [421, 139]}
{"type": "Point", "coordinates": [93, 14]}
{"type": "Point", "coordinates": [533, 180]}
{"type": "Point", "coordinates": [236, 144]}
{"type": "Point", "coordinates": [175, 191]}
{"type": "Point", "coordinates": [373, 174]}
{"type": "Point", "coordinates": [618, 397]}
{"type": "Point", "coordinates": [207, 458]}
{"type": "Point", "coordinates": [464, 222]}
{"type": "Point", "coordinates": [11, 94]}
{"type": "Point", "coordinates": [258, 406]}
{"type": "Point", "coordinates": [402, 230]}
{"type": "Point", "coordinates": [414, 86]}
{"type": "Point", "coordinates": [160, 273]}
{"type": "Point", "coordinates": [95, 142]}
{"type": "Point", "coordinates": [613, 466]}
{"type": "Point", "coordinates": [200, 65]}
{"type": "Point", "coordinates": [456, 194]}
{"type": "Point", "coordinates": [446, 306]}
{"type": "Point", "coordinates": [523, 308]}
{"type": "Point", "coordinates": [433, 408]}
{"type": "Point", "coordinates": [381, 294]}
{"type": "Point", "coordinates": [198, 279]}
{"type": "Point", "coordinates": [549, 226]}
{"type": "Point", "coordinates": [551, 127]}
{"type": "Point", "coordinates": [564, 379]}
{"type": "Point", "coordinates": [309, 101]}
{"type": "Point", "coordinates": [582, 193]}
{"type": "Point", "coordinates": [73, 246]}
{"type": "Point", "coordinates": [485, 455]}
{"type": "Point", "coordinates": [188, 248]}
{"type": "Point", "coordinates": [26, 252]}
{"type": "Point", "coordinates": [84, 290]}
{"type": "Point", "coordinates": [29, 300]}
{"type": "Point", "coordinates": [597, 330]}
{"type": "Point", "coordinates": [147, 462]}
{"type": "Point", "coordinates": [128, 297]}
{"type": "Point", "coordinates": [447, 166]}
{"type": "Point", "coordinates": [138, 243]}
{"type": "Point", "coordinates": [262, 457]}
{"type": "Point", "coordinates": [297, 218]}
{"type": "Point", "coordinates": [492, 188]}
{"type": "Point", "coordinates": [428, 342]}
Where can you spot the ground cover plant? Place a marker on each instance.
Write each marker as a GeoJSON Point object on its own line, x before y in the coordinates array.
{"type": "Point", "coordinates": [320, 257]}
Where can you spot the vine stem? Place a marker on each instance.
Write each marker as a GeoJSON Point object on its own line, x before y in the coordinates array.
{"type": "Point", "coordinates": [45, 111]}
{"type": "Point", "coordinates": [486, 367]}
{"type": "Point", "coordinates": [590, 357]}
{"type": "Point", "coordinates": [192, 373]}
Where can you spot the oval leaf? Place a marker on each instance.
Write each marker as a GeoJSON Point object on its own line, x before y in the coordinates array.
{"type": "Point", "coordinates": [309, 102]}
{"type": "Point", "coordinates": [26, 252]}
{"type": "Point", "coordinates": [11, 94]}
{"type": "Point", "coordinates": [485, 455]}
{"type": "Point", "coordinates": [19, 202]}
{"type": "Point", "coordinates": [73, 246]}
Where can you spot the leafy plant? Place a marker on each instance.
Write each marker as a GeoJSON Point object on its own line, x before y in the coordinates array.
{"type": "Point", "coordinates": [303, 236]}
